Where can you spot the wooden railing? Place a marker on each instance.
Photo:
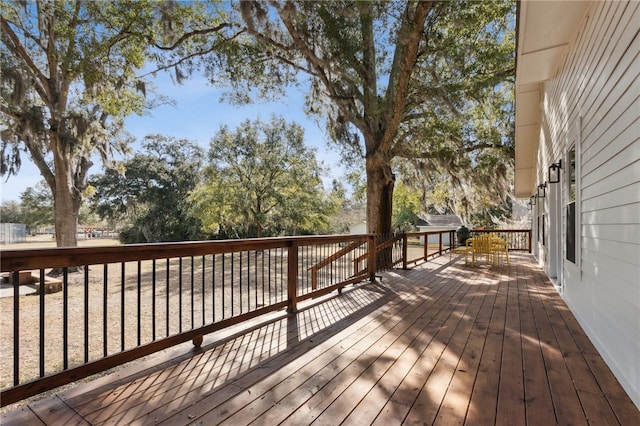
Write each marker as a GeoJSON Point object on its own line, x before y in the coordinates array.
{"type": "Point", "coordinates": [111, 305]}
{"type": "Point", "coordinates": [517, 239]}
{"type": "Point", "coordinates": [420, 246]}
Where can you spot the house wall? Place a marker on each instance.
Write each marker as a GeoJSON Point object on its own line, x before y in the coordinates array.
{"type": "Point", "coordinates": [594, 102]}
{"type": "Point", "coordinates": [434, 239]}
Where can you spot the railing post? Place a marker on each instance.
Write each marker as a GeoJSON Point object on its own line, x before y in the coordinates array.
{"type": "Point", "coordinates": [404, 250]}
{"type": "Point", "coordinates": [371, 264]}
{"type": "Point", "coordinates": [425, 248]}
{"type": "Point", "coordinates": [292, 278]}
{"type": "Point", "coordinates": [440, 243]}
{"type": "Point", "coordinates": [529, 233]}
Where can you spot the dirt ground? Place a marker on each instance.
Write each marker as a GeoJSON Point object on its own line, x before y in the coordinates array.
{"type": "Point", "coordinates": [45, 241]}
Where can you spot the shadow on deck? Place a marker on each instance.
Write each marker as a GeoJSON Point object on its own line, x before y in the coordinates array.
{"type": "Point", "coordinates": [440, 343]}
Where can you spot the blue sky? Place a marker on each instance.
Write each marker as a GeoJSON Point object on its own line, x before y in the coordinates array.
{"type": "Point", "coordinates": [197, 115]}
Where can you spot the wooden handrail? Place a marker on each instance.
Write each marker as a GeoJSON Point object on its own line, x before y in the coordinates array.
{"type": "Point", "coordinates": [327, 261]}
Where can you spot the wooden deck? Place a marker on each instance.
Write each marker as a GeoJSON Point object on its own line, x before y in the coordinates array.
{"type": "Point", "coordinates": [439, 344]}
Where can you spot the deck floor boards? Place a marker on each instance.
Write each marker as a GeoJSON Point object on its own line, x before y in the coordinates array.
{"type": "Point", "coordinates": [442, 343]}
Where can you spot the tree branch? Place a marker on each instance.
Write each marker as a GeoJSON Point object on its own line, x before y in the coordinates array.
{"type": "Point", "coordinates": [404, 61]}
{"type": "Point", "coordinates": [10, 39]}
{"type": "Point", "coordinates": [407, 153]}
{"type": "Point", "coordinates": [194, 33]}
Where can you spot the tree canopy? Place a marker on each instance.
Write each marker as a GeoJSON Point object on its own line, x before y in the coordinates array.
{"type": "Point", "coordinates": [150, 198]}
{"type": "Point", "coordinates": [394, 79]}
{"type": "Point", "coordinates": [262, 181]}
{"type": "Point", "coordinates": [424, 82]}
{"type": "Point", "coordinates": [69, 79]}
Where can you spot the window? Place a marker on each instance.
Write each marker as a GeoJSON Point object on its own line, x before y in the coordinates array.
{"type": "Point", "coordinates": [570, 238]}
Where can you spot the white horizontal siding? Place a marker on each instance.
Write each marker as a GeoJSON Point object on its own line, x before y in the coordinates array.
{"type": "Point", "coordinates": [611, 77]}
{"type": "Point", "coordinates": [595, 101]}
{"type": "Point", "coordinates": [623, 133]}
{"type": "Point", "coordinates": [628, 233]}
{"type": "Point", "coordinates": [621, 159]}
{"type": "Point", "coordinates": [618, 179]}
{"type": "Point", "coordinates": [626, 252]}
{"type": "Point", "coordinates": [614, 268]}
{"type": "Point", "coordinates": [629, 194]}
{"type": "Point", "coordinates": [627, 214]}
{"type": "Point", "coordinates": [615, 306]}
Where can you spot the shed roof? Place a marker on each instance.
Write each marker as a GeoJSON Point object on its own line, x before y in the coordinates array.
{"type": "Point", "coordinates": [439, 220]}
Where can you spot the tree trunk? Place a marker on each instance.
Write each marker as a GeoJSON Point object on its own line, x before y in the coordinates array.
{"type": "Point", "coordinates": [380, 182]}
{"type": "Point", "coordinates": [67, 199]}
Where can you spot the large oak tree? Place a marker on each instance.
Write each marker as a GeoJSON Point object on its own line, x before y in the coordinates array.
{"type": "Point", "coordinates": [262, 181]}
{"type": "Point", "coordinates": [380, 71]}
{"type": "Point", "coordinates": [69, 79]}
{"type": "Point", "coordinates": [150, 198]}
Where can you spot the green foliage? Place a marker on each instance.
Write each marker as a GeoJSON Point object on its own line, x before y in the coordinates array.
{"type": "Point", "coordinates": [11, 212]}
{"type": "Point", "coordinates": [69, 78]}
{"type": "Point", "coordinates": [36, 204]}
{"type": "Point", "coordinates": [458, 148]}
{"type": "Point", "coordinates": [406, 207]}
{"type": "Point", "coordinates": [425, 82]}
{"type": "Point", "coordinates": [151, 196]}
{"type": "Point", "coordinates": [262, 181]}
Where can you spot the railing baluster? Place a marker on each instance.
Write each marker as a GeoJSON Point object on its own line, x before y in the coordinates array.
{"type": "Point", "coordinates": [255, 275]}
{"type": "Point", "coordinates": [65, 318]}
{"type": "Point", "coordinates": [180, 295]}
{"type": "Point", "coordinates": [105, 322]}
{"type": "Point", "coordinates": [139, 303]}
{"type": "Point", "coordinates": [269, 280]}
{"type": "Point", "coordinates": [203, 292]}
{"type": "Point", "coordinates": [86, 313]}
{"type": "Point", "coordinates": [153, 300]}
{"type": "Point", "coordinates": [193, 265]}
{"type": "Point", "coordinates": [249, 281]}
{"type": "Point", "coordinates": [224, 311]}
{"type": "Point", "coordinates": [167, 312]}
{"type": "Point", "coordinates": [16, 327]}
{"type": "Point", "coordinates": [42, 324]}
{"type": "Point", "coordinates": [122, 306]}
{"type": "Point", "coordinates": [213, 288]}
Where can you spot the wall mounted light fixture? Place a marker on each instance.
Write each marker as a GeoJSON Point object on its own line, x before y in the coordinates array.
{"type": "Point", "coordinates": [554, 172]}
{"type": "Point", "coordinates": [542, 190]}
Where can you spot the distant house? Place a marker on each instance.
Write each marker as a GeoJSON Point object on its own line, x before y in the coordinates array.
{"type": "Point", "coordinates": [577, 158]}
{"type": "Point", "coordinates": [432, 221]}
{"type": "Point", "coordinates": [438, 222]}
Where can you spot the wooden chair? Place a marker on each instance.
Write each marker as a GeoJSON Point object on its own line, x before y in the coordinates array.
{"type": "Point", "coordinates": [481, 245]}
{"type": "Point", "coordinates": [461, 250]}
{"type": "Point", "coordinates": [500, 247]}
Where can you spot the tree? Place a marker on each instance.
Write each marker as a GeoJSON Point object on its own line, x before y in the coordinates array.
{"type": "Point", "coordinates": [379, 70]}
{"type": "Point", "coordinates": [69, 79]}
{"type": "Point", "coordinates": [406, 207]}
{"type": "Point", "coordinates": [463, 163]}
{"type": "Point", "coordinates": [37, 205]}
{"type": "Point", "coordinates": [11, 212]}
{"type": "Point", "coordinates": [151, 194]}
{"type": "Point", "coordinates": [262, 180]}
